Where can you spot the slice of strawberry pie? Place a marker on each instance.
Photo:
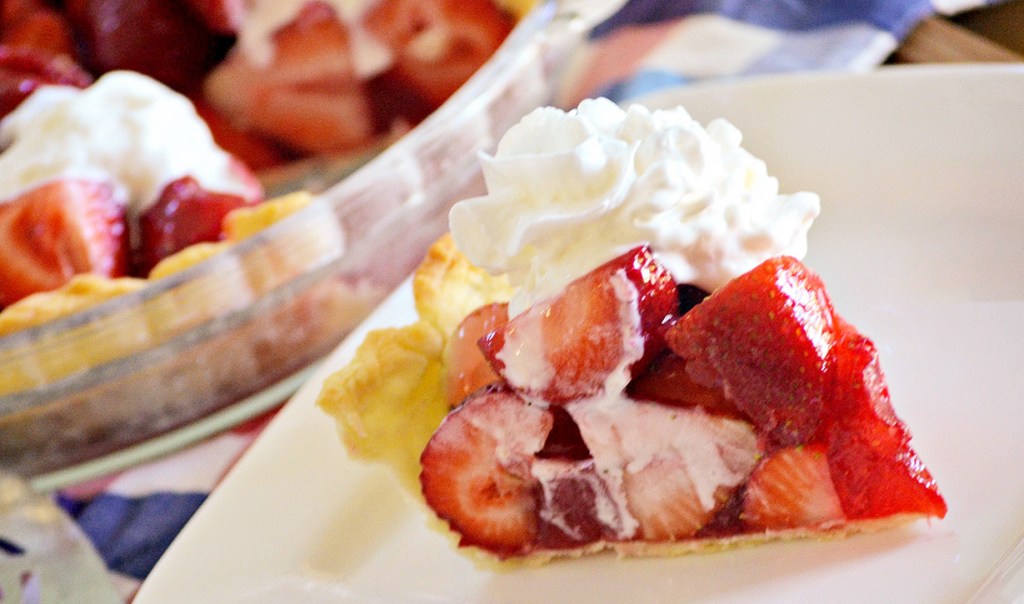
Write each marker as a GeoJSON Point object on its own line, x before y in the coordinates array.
{"type": "Point", "coordinates": [619, 417]}
{"type": "Point", "coordinates": [619, 348]}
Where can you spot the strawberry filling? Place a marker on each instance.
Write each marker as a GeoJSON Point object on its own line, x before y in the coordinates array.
{"type": "Point", "coordinates": [66, 227]}
{"type": "Point", "coordinates": [655, 413]}
{"type": "Point", "coordinates": [308, 100]}
{"type": "Point", "coordinates": [57, 230]}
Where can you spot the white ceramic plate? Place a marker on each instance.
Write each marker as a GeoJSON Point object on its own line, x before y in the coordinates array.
{"type": "Point", "coordinates": [921, 242]}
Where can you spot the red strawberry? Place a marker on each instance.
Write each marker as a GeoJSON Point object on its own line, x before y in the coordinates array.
{"type": "Point", "coordinates": [875, 471]}
{"type": "Point", "coordinates": [438, 44]}
{"type": "Point", "coordinates": [467, 369]}
{"type": "Point", "coordinates": [23, 69]}
{"type": "Point", "coordinates": [663, 499]}
{"type": "Point", "coordinates": [44, 29]}
{"type": "Point", "coordinates": [255, 151]}
{"type": "Point", "coordinates": [678, 465]}
{"type": "Point", "coordinates": [185, 214]}
{"type": "Point", "coordinates": [476, 471]}
{"type": "Point", "coordinates": [792, 488]}
{"type": "Point", "coordinates": [666, 381]}
{"type": "Point", "coordinates": [308, 97]}
{"type": "Point", "coordinates": [765, 338]}
{"type": "Point", "coordinates": [57, 230]}
{"type": "Point", "coordinates": [221, 16]}
{"type": "Point", "coordinates": [158, 38]}
{"type": "Point", "coordinates": [583, 334]}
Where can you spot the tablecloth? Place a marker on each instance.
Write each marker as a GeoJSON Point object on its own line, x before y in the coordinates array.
{"type": "Point", "coordinates": [132, 517]}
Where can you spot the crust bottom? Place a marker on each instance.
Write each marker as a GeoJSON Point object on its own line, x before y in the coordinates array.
{"type": "Point", "coordinates": [666, 549]}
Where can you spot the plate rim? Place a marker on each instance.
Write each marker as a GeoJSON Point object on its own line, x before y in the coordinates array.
{"type": "Point", "coordinates": [346, 349]}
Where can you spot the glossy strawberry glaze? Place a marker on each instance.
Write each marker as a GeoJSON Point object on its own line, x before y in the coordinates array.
{"type": "Point", "coordinates": [816, 448]}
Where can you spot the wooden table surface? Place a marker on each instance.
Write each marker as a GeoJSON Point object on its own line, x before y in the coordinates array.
{"type": "Point", "coordinates": [993, 34]}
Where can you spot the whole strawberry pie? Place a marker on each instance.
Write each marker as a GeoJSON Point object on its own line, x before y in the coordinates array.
{"type": "Point", "coordinates": [627, 353]}
{"type": "Point", "coordinates": [108, 179]}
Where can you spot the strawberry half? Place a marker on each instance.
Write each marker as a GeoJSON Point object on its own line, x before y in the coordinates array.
{"type": "Point", "coordinates": [57, 230]}
{"type": "Point", "coordinates": [438, 44]}
{"type": "Point", "coordinates": [476, 471]}
{"type": "Point", "coordinates": [466, 368]}
{"type": "Point", "coordinates": [24, 69]}
{"type": "Point", "coordinates": [158, 38]}
{"type": "Point", "coordinates": [257, 152]}
{"type": "Point", "coordinates": [309, 97]}
{"type": "Point", "coordinates": [875, 471]}
{"type": "Point", "coordinates": [765, 338]}
{"type": "Point", "coordinates": [39, 27]}
{"type": "Point", "coordinates": [581, 336]}
{"type": "Point", "coordinates": [678, 466]}
{"type": "Point", "coordinates": [792, 488]}
{"type": "Point", "coordinates": [184, 214]}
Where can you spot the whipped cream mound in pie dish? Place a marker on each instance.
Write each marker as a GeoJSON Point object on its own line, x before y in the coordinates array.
{"type": "Point", "coordinates": [688, 385]}
{"type": "Point", "coordinates": [112, 178]}
{"type": "Point", "coordinates": [125, 128]}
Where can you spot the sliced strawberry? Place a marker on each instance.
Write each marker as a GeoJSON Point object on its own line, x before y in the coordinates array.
{"type": "Point", "coordinates": [325, 121]}
{"type": "Point", "coordinates": [608, 317]}
{"type": "Point", "coordinates": [467, 369]}
{"type": "Point", "coordinates": [158, 38]}
{"type": "Point", "coordinates": [309, 96]}
{"type": "Point", "coordinates": [876, 472]}
{"type": "Point", "coordinates": [765, 339]}
{"type": "Point", "coordinates": [221, 16]}
{"type": "Point", "coordinates": [44, 29]}
{"type": "Point", "coordinates": [678, 466]}
{"type": "Point", "coordinates": [476, 471]}
{"type": "Point", "coordinates": [792, 488]}
{"type": "Point", "coordinates": [666, 381]}
{"type": "Point", "coordinates": [57, 230]}
{"type": "Point", "coordinates": [663, 500]}
{"type": "Point", "coordinates": [23, 69]}
{"type": "Point", "coordinates": [185, 214]}
{"type": "Point", "coordinates": [438, 44]}
{"type": "Point", "coordinates": [254, 150]}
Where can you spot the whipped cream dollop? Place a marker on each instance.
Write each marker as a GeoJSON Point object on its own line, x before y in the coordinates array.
{"type": "Point", "coordinates": [569, 191]}
{"type": "Point", "coordinates": [126, 129]}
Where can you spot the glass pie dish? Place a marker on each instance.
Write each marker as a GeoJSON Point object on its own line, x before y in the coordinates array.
{"type": "Point", "coordinates": [208, 347]}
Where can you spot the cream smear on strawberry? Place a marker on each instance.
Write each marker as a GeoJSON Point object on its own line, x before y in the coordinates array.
{"type": "Point", "coordinates": [264, 17]}
{"type": "Point", "coordinates": [126, 129]}
{"type": "Point", "coordinates": [714, 455]}
{"type": "Point", "coordinates": [524, 358]}
{"type": "Point", "coordinates": [526, 366]}
{"type": "Point", "coordinates": [568, 191]}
